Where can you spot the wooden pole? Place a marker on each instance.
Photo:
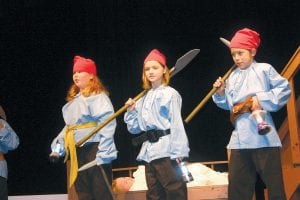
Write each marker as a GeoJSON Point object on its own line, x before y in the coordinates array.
{"type": "Point", "coordinates": [207, 97]}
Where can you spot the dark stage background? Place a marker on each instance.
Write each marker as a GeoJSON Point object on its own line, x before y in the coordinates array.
{"type": "Point", "coordinates": [39, 39]}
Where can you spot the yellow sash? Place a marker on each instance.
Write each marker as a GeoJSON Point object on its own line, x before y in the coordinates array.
{"type": "Point", "coordinates": [71, 149]}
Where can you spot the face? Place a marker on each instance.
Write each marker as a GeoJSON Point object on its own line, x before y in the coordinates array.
{"type": "Point", "coordinates": [242, 57]}
{"type": "Point", "coordinates": [154, 72]}
{"type": "Point", "coordinates": [82, 79]}
{"type": "Point", "coordinates": [124, 183]}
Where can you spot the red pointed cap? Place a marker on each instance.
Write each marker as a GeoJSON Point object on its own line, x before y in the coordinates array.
{"type": "Point", "coordinates": [156, 55]}
{"type": "Point", "coordinates": [245, 39]}
{"type": "Point", "coordinates": [82, 64]}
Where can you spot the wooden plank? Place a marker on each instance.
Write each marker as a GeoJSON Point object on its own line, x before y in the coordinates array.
{"type": "Point", "coordinates": [194, 193]}
{"type": "Point", "coordinates": [293, 126]}
{"type": "Point", "coordinates": [292, 66]}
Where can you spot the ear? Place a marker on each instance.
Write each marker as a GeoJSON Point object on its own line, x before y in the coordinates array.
{"type": "Point", "coordinates": [91, 77]}
{"type": "Point", "coordinates": [253, 52]}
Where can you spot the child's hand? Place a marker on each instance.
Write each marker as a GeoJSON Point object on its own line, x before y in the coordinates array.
{"type": "Point", "coordinates": [131, 103]}
{"type": "Point", "coordinates": [54, 157]}
{"type": "Point", "coordinates": [255, 104]}
{"type": "Point", "coordinates": [219, 84]}
{"type": "Point", "coordinates": [179, 160]}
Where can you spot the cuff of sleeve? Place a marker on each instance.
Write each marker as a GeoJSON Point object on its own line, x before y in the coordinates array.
{"type": "Point", "coordinates": [262, 96]}
{"type": "Point", "coordinates": [218, 98]}
{"type": "Point", "coordinates": [130, 115]}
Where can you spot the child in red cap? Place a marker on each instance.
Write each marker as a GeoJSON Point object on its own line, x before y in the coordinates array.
{"type": "Point", "coordinates": [252, 153]}
{"type": "Point", "coordinates": [157, 118]}
{"type": "Point", "coordinates": [88, 105]}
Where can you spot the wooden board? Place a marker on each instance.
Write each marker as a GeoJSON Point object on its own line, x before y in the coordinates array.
{"type": "Point", "coordinates": [194, 193]}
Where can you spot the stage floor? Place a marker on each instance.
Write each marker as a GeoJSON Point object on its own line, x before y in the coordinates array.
{"type": "Point", "coordinates": [194, 193]}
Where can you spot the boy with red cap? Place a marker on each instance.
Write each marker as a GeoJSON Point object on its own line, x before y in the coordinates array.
{"type": "Point", "coordinates": [157, 118]}
{"type": "Point", "coordinates": [250, 152]}
{"type": "Point", "coordinates": [88, 105]}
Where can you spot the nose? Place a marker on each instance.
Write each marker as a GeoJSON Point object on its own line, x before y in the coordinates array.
{"type": "Point", "coordinates": [151, 70]}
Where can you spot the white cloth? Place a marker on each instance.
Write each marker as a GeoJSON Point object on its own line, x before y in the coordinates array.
{"type": "Point", "coordinates": [202, 175]}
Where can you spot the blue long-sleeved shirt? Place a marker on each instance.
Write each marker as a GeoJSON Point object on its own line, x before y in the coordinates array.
{"type": "Point", "coordinates": [272, 91]}
{"type": "Point", "coordinates": [9, 140]}
{"type": "Point", "coordinates": [96, 108]}
{"type": "Point", "coordinates": [159, 109]}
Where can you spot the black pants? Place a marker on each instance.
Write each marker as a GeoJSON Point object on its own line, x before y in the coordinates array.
{"type": "Point", "coordinates": [92, 184]}
{"type": "Point", "coordinates": [3, 188]}
{"type": "Point", "coordinates": [245, 164]}
{"type": "Point", "coordinates": [164, 180]}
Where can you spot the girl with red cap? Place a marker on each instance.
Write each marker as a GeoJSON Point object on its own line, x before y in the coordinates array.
{"type": "Point", "coordinates": [252, 153]}
{"type": "Point", "coordinates": [88, 105]}
{"type": "Point", "coordinates": [157, 118]}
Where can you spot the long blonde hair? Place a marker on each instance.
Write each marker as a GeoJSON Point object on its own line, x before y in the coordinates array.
{"type": "Point", "coordinates": [94, 87]}
{"type": "Point", "coordinates": [165, 80]}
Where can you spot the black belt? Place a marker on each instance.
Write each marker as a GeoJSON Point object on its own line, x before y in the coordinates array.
{"type": "Point", "coordinates": [151, 136]}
